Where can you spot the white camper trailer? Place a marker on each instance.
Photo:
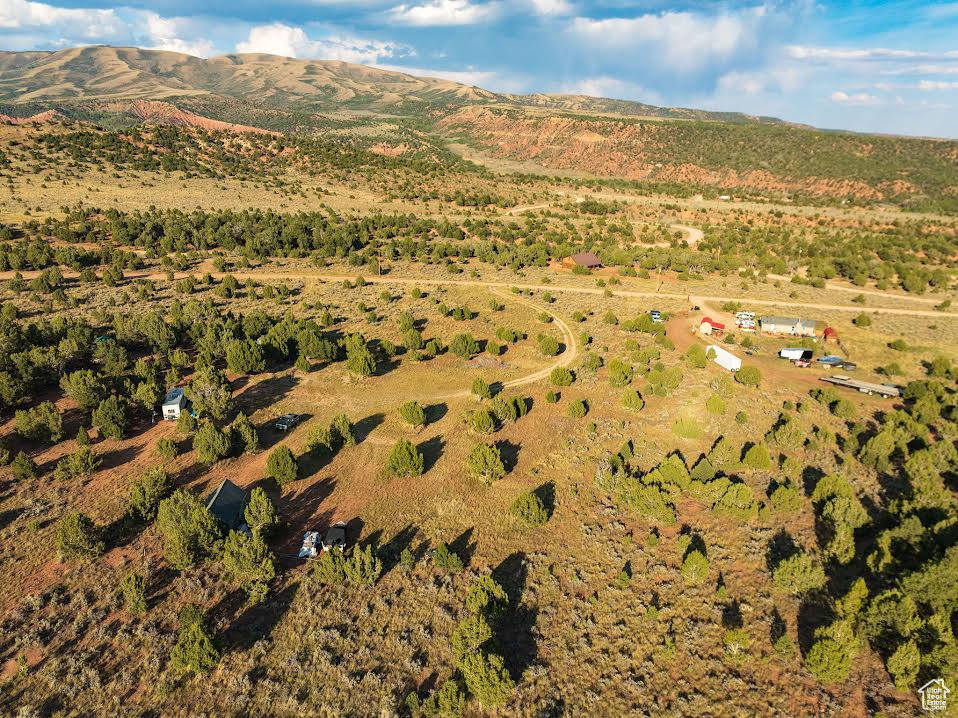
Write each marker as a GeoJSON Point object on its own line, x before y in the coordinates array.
{"type": "Point", "coordinates": [794, 353]}
{"type": "Point", "coordinates": [723, 358]}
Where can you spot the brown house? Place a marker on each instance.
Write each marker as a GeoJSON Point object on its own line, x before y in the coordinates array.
{"type": "Point", "coordinates": [582, 259]}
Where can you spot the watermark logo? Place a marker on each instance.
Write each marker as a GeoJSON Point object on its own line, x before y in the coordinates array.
{"type": "Point", "coordinates": [934, 695]}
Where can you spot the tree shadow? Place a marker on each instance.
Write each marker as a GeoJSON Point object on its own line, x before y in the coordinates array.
{"type": "Point", "coordinates": [780, 547]}
{"type": "Point", "coordinates": [464, 547]}
{"type": "Point", "coordinates": [8, 517]}
{"type": "Point", "coordinates": [732, 615]}
{"type": "Point", "coordinates": [509, 451]}
{"type": "Point", "coordinates": [364, 427]}
{"type": "Point", "coordinates": [547, 495]}
{"type": "Point", "coordinates": [118, 457]}
{"type": "Point", "coordinates": [777, 626]}
{"type": "Point", "coordinates": [515, 629]}
{"type": "Point", "coordinates": [390, 551]}
{"type": "Point", "coordinates": [435, 412]}
{"type": "Point", "coordinates": [431, 451]}
{"type": "Point", "coordinates": [122, 530]}
{"type": "Point", "coordinates": [266, 393]}
{"type": "Point", "coordinates": [810, 478]}
{"type": "Point", "coordinates": [258, 621]}
{"type": "Point", "coordinates": [813, 613]}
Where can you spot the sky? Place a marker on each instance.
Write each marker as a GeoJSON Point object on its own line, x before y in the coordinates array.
{"type": "Point", "coordinates": [863, 65]}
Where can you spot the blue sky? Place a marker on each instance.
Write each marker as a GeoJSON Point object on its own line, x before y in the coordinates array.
{"type": "Point", "coordinates": [862, 65]}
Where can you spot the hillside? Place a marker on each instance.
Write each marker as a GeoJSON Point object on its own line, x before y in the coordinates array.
{"type": "Point", "coordinates": [665, 149]}
{"type": "Point", "coordinates": [101, 73]}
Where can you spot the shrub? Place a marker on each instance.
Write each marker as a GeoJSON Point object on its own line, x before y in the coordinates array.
{"type": "Point", "coordinates": [482, 422]}
{"type": "Point", "coordinates": [330, 569]}
{"type": "Point", "coordinates": [631, 399]}
{"type": "Point", "coordinates": [413, 414]}
{"type": "Point", "coordinates": [40, 423]}
{"type": "Point", "coordinates": [485, 463]}
{"type": "Point", "coordinates": [133, 587]}
{"type": "Point", "coordinates": [244, 434]}
{"type": "Point", "coordinates": [548, 345]}
{"type": "Point", "coordinates": [23, 467]}
{"type": "Point", "coordinates": [111, 417]}
{"type": "Point", "coordinates": [798, 574]}
{"type": "Point", "coordinates": [78, 537]}
{"type": "Point", "coordinates": [210, 443]}
{"type": "Point", "coordinates": [260, 513]}
{"type": "Point", "coordinates": [84, 386]}
{"type": "Point", "coordinates": [741, 418]}
{"type": "Point", "coordinates": [249, 562]}
{"type": "Point", "coordinates": [210, 393]}
{"type": "Point", "coordinates": [146, 493]}
{"type": "Point", "coordinates": [695, 567]}
{"type": "Point", "coordinates": [487, 678]}
{"type": "Point", "coordinates": [281, 465]}
{"type": "Point", "coordinates": [757, 457]}
{"type": "Point", "coordinates": [447, 560]}
{"type": "Point", "coordinates": [487, 597]}
{"type": "Point", "coordinates": [695, 357]}
{"type": "Point", "coordinates": [749, 376]}
{"type": "Point", "coordinates": [244, 356]}
{"type": "Point", "coordinates": [786, 499]}
{"type": "Point", "coordinates": [167, 448]}
{"type": "Point", "coordinates": [829, 660]}
{"type": "Point", "coordinates": [552, 397]}
{"type": "Point", "coordinates": [359, 358]}
{"type": "Point", "coordinates": [620, 373]}
{"type": "Point", "coordinates": [481, 389]}
{"type": "Point", "coordinates": [735, 641]}
{"type": "Point", "coordinates": [560, 376]}
{"type": "Point", "coordinates": [687, 429]}
{"type": "Point", "coordinates": [577, 409]}
{"type": "Point", "coordinates": [464, 345]}
{"type": "Point", "coordinates": [715, 404]}
{"type": "Point", "coordinates": [195, 649]}
{"type": "Point", "coordinates": [470, 636]}
{"type": "Point", "coordinates": [405, 460]}
{"type": "Point", "coordinates": [188, 528]}
{"type": "Point", "coordinates": [904, 665]}
{"type": "Point", "coordinates": [342, 428]}
{"type": "Point", "coordinates": [862, 321]}
{"type": "Point", "coordinates": [529, 508]}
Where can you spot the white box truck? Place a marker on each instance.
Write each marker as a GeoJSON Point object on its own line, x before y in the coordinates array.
{"type": "Point", "coordinates": [723, 358]}
{"type": "Point", "coordinates": [796, 353]}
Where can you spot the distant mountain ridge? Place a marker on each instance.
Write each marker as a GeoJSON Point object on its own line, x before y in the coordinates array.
{"type": "Point", "coordinates": [102, 73]}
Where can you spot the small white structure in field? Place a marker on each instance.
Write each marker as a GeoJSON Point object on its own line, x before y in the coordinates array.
{"type": "Point", "coordinates": [723, 358]}
{"type": "Point", "coordinates": [174, 403]}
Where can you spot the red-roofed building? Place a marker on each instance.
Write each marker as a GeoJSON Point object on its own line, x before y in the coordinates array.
{"type": "Point", "coordinates": [709, 327]}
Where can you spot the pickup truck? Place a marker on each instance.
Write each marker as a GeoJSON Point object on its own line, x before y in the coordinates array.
{"type": "Point", "coordinates": [287, 421]}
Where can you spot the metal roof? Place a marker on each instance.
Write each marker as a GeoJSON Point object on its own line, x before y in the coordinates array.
{"type": "Point", "coordinates": [174, 395]}
{"type": "Point", "coordinates": [228, 503]}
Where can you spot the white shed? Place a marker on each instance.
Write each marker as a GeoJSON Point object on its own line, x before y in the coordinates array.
{"type": "Point", "coordinates": [723, 358]}
{"type": "Point", "coordinates": [174, 403]}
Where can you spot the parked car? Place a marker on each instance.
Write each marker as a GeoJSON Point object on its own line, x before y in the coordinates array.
{"type": "Point", "coordinates": [849, 366]}
{"type": "Point", "coordinates": [335, 537]}
{"type": "Point", "coordinates": [745, 315]}
{"type": "Point", "coordinates": [287, 421]}
{"type": "Point", "coordinates": [696, 308]}
{"type": "Point", "coordinates": [310, 546]}
{"type": "Point", "coordinates": [656, 316]}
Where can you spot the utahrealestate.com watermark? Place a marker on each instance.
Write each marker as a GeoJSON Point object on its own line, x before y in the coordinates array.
{"type": "Point", "coordinates": [934, 695]}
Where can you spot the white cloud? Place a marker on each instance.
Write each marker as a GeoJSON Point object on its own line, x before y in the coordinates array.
{"type": "Point", "coordinates": [280, 39]}
{"type": "Point", "coordinates": [445, 12]}
{"type": "Point", "coordinates": [610, 87]}
{"type": "Point", "coordinates": [831, 54]}
{"type": "Point", "coordinates": [551, 7]}
{"type": "Point", "coordinates": [167, 34]}
{"type": "Point", "coordinates": [683, 42]}
{"type": "Point", "coordinates": [77, 22]}
{"type": "Point", "coordinates": [858, 99]}
{"type": "Point", "coordinates": [935, 85]}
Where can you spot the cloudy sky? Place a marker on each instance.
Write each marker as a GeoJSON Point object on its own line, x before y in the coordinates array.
{"type": "Point", "coordinates": [863, 65]}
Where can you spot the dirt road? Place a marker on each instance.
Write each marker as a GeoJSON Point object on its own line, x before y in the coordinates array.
{"type": "Point", "coordinates": [565, 359]}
